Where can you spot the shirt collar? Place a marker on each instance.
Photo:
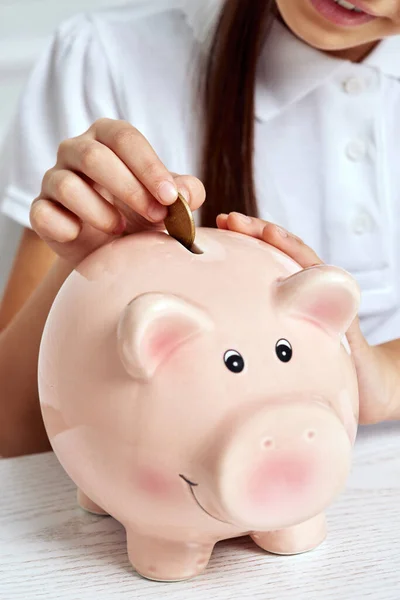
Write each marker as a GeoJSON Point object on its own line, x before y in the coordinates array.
{"type": "Point", "coordinates": [386, 57]}
{"type": "Point", "coordinates": [288, 69]}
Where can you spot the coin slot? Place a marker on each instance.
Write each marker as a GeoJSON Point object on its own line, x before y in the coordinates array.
{"type": "Point", "coordinates": [195, 249]}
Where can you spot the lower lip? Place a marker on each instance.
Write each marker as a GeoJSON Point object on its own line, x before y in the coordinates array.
{"type": "Point", "coordinates": [339, 15]}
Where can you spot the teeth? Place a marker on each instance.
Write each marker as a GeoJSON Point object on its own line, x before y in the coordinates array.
{"type": "Point", "coordinates": [348, 5]}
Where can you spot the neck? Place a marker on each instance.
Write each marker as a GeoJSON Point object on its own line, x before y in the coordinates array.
{"type": "Point", "coordinates": [355, 55]}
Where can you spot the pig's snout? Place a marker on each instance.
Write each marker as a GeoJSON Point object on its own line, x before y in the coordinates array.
{"type": "Point", "coordinates": [281, 466]}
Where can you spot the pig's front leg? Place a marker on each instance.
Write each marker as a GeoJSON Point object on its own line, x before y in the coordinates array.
{"type": "Point", "coordinates": [293, 540]}
{"type": "Point", "coordinates": [88, 504]}
{"type": "Point", "coordinates": [164, 560]}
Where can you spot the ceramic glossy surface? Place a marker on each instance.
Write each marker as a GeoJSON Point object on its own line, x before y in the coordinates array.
{"type": "Point", "coordinates": [197, 397]}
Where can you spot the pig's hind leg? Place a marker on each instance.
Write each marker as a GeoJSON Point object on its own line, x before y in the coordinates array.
{"type": "Point", "coordinates": [293, 540]}
{"type": "Point", "coordinates": [165, 560]}
{"type": "Point", "coordinates": [87, 504]}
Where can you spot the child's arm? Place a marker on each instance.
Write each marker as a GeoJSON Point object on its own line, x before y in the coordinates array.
{"type": "Point", "coordinates": [35, 280]}
{"type": "Point", "coordinates": [26, 275]}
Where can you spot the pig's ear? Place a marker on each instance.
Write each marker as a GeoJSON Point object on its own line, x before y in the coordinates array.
{"type": "Point", "coordinates": [327, 296]}
{"type": "Point", "coordinates": [152, 327]}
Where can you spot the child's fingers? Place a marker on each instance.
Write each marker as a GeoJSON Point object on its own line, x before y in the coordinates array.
{"type": "Point", "coordinates": [192, 189]}
{"type": "Point", "coordinates": [101, 165]}
{"type": "Point", "coordinates": [290, 245]}
{"type": "Point", "coordinates": [222, 221]}
{"type": "Point", "coordinates": [138, 155]}
{"type": "Point", "coordinates": [272, 234]}
{"type": "Point", "coordinates": [243, 224]}
{"type": "Point", "coordinates": [53, 222]}
{"type": "Point", "coordinates": [117, 158]}
{"type": "Point", "coordinates": [77, 196]}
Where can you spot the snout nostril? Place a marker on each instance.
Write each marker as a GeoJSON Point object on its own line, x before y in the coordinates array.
{"type": "Point", "coordinates": [267, 443]}
{"type": "Point", "coordinates": [310, 434]}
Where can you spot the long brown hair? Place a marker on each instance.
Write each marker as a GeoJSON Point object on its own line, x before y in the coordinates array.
{"type": "Point", "coordinates": [229, 94]}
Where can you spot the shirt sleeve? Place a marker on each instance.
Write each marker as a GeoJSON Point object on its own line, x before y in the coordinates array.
{"type": "Point", "coordinates": [69, 88]}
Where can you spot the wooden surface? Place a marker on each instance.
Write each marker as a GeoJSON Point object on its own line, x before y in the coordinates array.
{"type": "Point", "coordinates": [49, 548]}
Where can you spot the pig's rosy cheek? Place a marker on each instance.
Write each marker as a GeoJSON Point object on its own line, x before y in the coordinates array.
{"type": "Point", "coordinates": [278, 479]}
{"type": "Point", "coordinates": [154, 483]}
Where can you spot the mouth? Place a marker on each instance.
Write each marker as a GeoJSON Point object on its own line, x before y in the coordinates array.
{"type": "Point", "coordinates": [191, 487]}
{"type": "Point", "coordinates": [349, 6]}
{"type": "Point", "coordinates": [341, 12]}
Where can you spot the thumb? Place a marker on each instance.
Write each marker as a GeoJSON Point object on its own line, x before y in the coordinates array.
{"type": "Point", "coordinates": [191, 189]}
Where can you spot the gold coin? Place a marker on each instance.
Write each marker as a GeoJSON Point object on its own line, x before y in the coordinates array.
{"type": "Point", "coordinates": [180, 223]}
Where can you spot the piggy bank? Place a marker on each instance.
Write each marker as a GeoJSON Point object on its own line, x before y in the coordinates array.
{"type": "Point", "coordinates": [202, 396]}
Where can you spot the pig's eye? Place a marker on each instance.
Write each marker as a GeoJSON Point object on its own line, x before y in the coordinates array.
{"type": "Point", "coordinates": [283, 350]}
{"type": "Point", "coordinates": [234, 361]}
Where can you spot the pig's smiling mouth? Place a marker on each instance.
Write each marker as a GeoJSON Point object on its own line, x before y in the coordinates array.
{"type": "Point", "coordinates": [193, 485]}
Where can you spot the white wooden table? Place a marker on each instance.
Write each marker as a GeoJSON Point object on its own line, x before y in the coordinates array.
{"type": "Point", "coordinates": [49, 548]}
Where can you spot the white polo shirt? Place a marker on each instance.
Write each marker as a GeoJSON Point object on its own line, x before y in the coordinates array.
{"type": "Point", "coordinates": [327, 151]}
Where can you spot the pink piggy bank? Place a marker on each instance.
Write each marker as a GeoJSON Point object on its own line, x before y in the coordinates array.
{"type": "Point", "coordinates": [200, 397]}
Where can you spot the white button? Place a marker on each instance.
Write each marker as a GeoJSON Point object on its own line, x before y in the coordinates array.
{"type": "Point", "coordinates": [354, 86]}
{"type": "Point", "coordinates": [362, 223]}
{"type": "Point", "coordinates": [356, 150]}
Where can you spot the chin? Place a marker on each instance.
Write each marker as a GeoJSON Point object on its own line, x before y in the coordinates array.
{"type": "Point", "coordinates": [327, 41]}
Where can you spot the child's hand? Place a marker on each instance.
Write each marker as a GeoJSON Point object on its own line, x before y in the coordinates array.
{"type": "Point", "coordinates": [105, 182]}
{"type": "Point", "coordinates": [377, 366]}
